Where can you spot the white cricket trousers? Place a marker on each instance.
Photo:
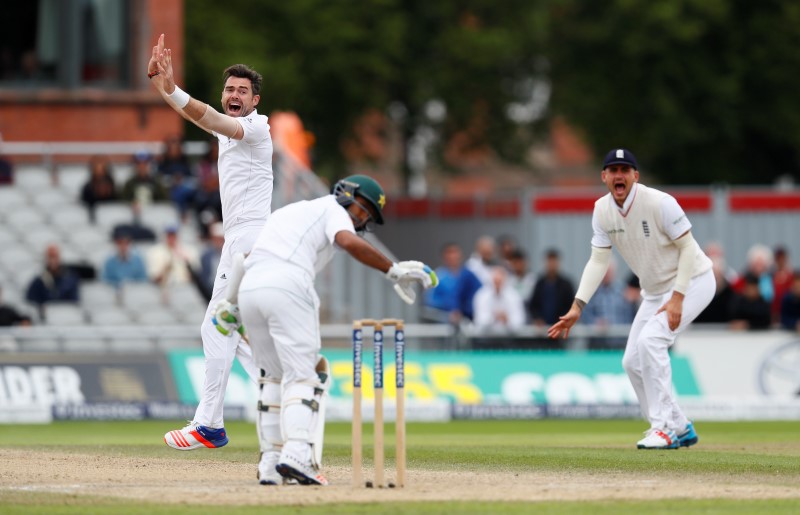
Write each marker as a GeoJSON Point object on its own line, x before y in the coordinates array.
{"type": "Point", "coordinates": [220, 350]}
{"type": "Point", "coordinates": [646, 358]}
{"type": "Point", "coordinates": [280, 310]}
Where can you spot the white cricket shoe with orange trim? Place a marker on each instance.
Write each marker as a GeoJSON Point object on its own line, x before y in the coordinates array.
{"type": "Point", "coordinates": [195, 436]}
{"type": "Point", "coordinates": [658, 439]}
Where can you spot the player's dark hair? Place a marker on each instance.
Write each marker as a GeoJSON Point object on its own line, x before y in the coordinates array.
{"type": "Point", "coordinates": [242, 71]}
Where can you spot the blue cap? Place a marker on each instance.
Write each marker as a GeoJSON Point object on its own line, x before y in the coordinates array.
{"type": "Point", "coordinates": [620, 156]}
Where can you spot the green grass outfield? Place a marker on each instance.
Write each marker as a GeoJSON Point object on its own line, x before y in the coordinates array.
{"type": "Point", "coordinates": [760, 450]}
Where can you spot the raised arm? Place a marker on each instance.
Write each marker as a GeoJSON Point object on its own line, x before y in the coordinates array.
{"type": "Point", "coordinates": [159, 70]}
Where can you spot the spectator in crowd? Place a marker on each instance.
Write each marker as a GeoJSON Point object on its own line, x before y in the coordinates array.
{"type": "Point", "coordinates": [176, 173]}
{"type": "Point", "coordinates": [451, 301]}
{"type": "Point", "coordinates": [506, 245]}
{"type": "Point", "coordinates": [608, 307]}
{"type": "Point", "coordinates": [56, 283]}
{"type": "Point", "coordinates": [719, 310]}
{"type": "Point", "coordinates": [790, 305]}
{"type": "Point", "coordinates": [498, 307]}
{"type": "Point", "coordinates": [10, 316]}
{"type": "Point", "coordinates": [520, 277]}
{"type": "Point", "coordinates": [125, 265]}
{"type": "Point", "coordinates": [483, 259]}
{"type": "Point", "coordinates": [715, 251]}
{"type": "Point", "coordinates": [207, 200]}
{"type": "Point", "coordinates": [552, 294]}
{"type": "Point", "coordinates": [749, 310]}
{"type": "Point", "coordinates": [633, 291]}
{"type": "Point", "coordinates": [209, 259]}
{"type": "Point", "coordinates": [143, 187]}
{"type": "Point", "coordinates": [170, 262]}
{"type": "Point", "coordinates": [782, 278]}
{"type": "Point", "coordinates": [6, 171]}
{"type": "Point", "coordinates": [100, 186]}
{"type": "Point", "coordinates": [759, 262]}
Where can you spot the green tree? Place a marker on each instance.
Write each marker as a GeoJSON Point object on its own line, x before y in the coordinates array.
{"type": "Point", "coordinates": [701, 90]}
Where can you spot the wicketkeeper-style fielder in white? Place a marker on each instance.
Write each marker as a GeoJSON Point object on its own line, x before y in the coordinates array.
{"type": "Point", "coordinates": [245, 175]}
{"type": "Point", "coordinates": [653, 235]}
{"type": "Point", "coordinates": [280, 310]}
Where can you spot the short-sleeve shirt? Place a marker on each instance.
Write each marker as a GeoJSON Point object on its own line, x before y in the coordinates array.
{"type": "Point", "coordinates": [245, 173]}
{"type": "Point", "coordinates": [302, 233]}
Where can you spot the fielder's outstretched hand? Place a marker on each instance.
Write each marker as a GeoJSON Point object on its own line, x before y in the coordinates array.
{"type": "Point", "coordinates": [226, 318]}
{"type": "Point", "coordinates": [561, 328]}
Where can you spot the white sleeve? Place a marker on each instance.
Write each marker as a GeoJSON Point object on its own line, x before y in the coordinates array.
{"type": "Point", "coordinates": [337, 220]}
{"type": "Point", "coordinates": [673, 219]}
{"type": "Point", "coordinates": [599, 236]}
{"type": "Point", "coordinates": [481, 308]}
{"type": "Point", "coordinates": [256, 128]}
{"type": "Point", "coordinates": [516, 309]}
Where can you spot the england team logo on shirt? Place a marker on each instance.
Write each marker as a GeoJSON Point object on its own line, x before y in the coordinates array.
{"type": "Point", "coordinates": [646, 229]}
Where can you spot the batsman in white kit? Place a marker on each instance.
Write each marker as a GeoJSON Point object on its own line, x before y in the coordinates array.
{"type": "Point", "coordinates": [245, 175]}
{"type": "Point", "coordinates": [279, 307]}
{"type": "Point", "coordinates": [653, 235]}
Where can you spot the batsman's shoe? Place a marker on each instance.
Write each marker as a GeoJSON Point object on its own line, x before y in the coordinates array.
{"type": "Point", "coordinates": [658, 439]}
{"type": "Point", "coordinates": [292, 466]}
{"type": "Point", "coordinates": [267, 473]}
{"type": "Point", "coordinates": [195, 436]}
{"type": "Point", "coordinates": [688, 436]}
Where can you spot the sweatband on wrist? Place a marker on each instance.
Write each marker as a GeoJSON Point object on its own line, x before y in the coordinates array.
{"type": "Point", "coordinates": [593, 273]}
{"type": "Point", "coordinates": [179, 97]}
{"type": "Point", "coordinates": [687, 251]}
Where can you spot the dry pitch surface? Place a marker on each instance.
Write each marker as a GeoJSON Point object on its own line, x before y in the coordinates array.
{"type": "Point", "coordinates": [167, 480]}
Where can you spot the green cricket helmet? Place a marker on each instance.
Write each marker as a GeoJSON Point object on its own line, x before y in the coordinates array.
{"type": "Point", "coordinates": [365, 187]}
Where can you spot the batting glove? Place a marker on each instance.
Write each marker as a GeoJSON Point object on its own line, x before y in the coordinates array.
{"type": "Point", "coordinates": [413, 271]}
{"type": "Point", "coordinates": [226, 318]}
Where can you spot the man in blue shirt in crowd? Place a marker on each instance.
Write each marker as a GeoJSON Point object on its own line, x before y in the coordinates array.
{"type": "Point", "coordinates": [451, 301]}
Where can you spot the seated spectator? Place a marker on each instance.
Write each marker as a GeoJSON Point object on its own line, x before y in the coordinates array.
{"type": "Point", "coordinates": [782, 279]}
{"type": "Point", "coordinates": [207, 201]}
{"type": "Point", "coordinates": [176, 174]}
{"type": "Point", "coordinates": [553, 293]}
{"type": "Point", "coordinates": [6, 171]}
{"type": "Point", "coordinates": [520, 277]}
{"type": "Point", "coordinates": [608, 307]}
{"type": "Point", "coordinates": [483, 259]}
{"type": "Point", "coordinates": [498, 308]}
{"type": "Point", "coordinates": [10, 316]}
{"type": "Point", "coordinates": [749, 310]}
{"type": "Point", "coordinates": [719, 310]}
{"type": "Point", "coordinates": [143, 188]}
{"type": "Point", "coordinates": [100, 186]}
{"type": "Point", "coordinates": [209, 259]}
{"type": "Point", "coordinates": [169, 262]}
{"type": "Point", "coordinates": [790, 305]}
{"type": "Point", "coordinates": [759, 262]}
{"type": "Point", "coordinates": [451, 301]}
{"type": "Point", "coordinates": [125, 265]}
{"type": "Point", "coordinates": [56, 283]}
{"type": "Point", "coordinates": [633, 291]}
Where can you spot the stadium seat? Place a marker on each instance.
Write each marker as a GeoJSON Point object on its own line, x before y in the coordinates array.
{"type": "Point", "coordinates": [110, 315]}
{"type": "Point", "coordinates": [39, 345]}
{"type": "Point", "coordinates": [33, 179]}
{"type": "Point", "coordinates": [11, 198]}
{"type": "Point", "coordinates": [58, 314]}
{"type": "Point", "coordinates": [83, 344]}
{"type": "Point", "coordinates": [89, 238]}
{"type": "Point", "coordinates": [139, 296]}
{"type": "Point", "coordinates": [38, 238]}
{"type": "Point", "coordinates": [51, 200]}
{"type": "Point", "coordinates": [23, 218]}
{"type": "Point", "coordinates": [70, 217]}
{"type": "Point", "coordinates": [157, 216]}
{"type": "Point", "coordinates": [111, 214]}
{"type": "Point", "coordinates": [98, 294]}
{"type": "Point", "coordinates": [71, 179]}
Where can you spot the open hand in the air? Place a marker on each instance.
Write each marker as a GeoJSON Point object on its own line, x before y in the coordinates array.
{"type": "Point", "coordinates": [161, 62]}
{"type": "Point", "coordinates": [561, 328]}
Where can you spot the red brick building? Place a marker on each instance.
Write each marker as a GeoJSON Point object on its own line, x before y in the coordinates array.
{"type": "Point", "coordinates": [76, 70]}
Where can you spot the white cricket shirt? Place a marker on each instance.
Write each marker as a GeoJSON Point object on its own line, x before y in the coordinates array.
{"type": "Point", "coordinates": [245, 173]}
{"type": "Point", "coordinates": [302, 233]}
{"type": "Point", "coordinates": [643, 231]}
